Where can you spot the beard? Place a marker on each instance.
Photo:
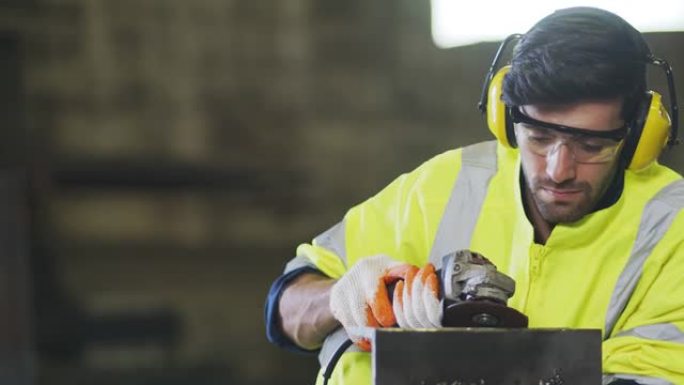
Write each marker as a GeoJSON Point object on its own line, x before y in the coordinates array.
{"type": "Point", "coordinates": [564, 211]}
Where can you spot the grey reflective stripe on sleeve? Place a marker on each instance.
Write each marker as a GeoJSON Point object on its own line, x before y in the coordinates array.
{"type": "Point", "coordinates": [658, 214]}
{"type": "Point", "coordinates": [660, 332]}
{"type": "Point", "coordinates": [642, 380]}
{"type": "Point", "coordinates": [334, 240]}
{"type": "Point", "coordinates": [478, 165]}
{"type": "Point", "coordinates": [297, 263]}
{"type": "Point", "coordinates": [331, 344]}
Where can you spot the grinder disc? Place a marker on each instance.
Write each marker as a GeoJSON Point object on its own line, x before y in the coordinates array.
{"type": "Point", "coordinates": [483, 314]}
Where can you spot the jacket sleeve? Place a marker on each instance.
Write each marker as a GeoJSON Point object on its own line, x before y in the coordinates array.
{"type": "Point", "coordinates": [647, 344]}
{"type": "Point", "coordinates": [400, 221]}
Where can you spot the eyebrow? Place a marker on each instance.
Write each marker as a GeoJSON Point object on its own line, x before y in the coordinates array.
{"type": "Point", "coordinates": [518, 116]}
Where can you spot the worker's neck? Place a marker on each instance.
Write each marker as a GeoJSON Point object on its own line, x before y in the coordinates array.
{"type": "Point", "coordinates": [542, 228]}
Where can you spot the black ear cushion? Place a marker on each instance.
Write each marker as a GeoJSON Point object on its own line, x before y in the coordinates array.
{"type": "Point", "coordinates": [510, 130]}
{"type": "Point", "coordinates": [636, 128]}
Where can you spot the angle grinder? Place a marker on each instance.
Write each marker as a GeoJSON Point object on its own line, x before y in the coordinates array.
{"type": "Point", "coordinates": [476, 293]}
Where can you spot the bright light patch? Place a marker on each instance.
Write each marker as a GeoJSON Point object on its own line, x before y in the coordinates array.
{"type": "Point", "coordinates": [456, 23]}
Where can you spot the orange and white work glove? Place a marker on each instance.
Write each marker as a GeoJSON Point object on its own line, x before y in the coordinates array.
{"type": "Point", "coordinates": [416, 303]}
{"type": "Point", "coordinates": [359, 300]}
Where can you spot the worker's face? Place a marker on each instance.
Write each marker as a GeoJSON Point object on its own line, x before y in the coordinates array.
{"type": "Point", "coordinates": [564, 186]}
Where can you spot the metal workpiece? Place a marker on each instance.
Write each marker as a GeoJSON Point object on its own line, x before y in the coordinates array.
{"type": "Point", "coordinates": [486, 356]}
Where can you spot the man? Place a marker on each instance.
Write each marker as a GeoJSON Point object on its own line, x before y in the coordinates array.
{"type": "Point", "coordinates": [569, 202]}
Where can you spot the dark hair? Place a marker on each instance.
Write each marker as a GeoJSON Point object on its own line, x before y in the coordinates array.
{"type": "Point", "coordinates": [578, 54]}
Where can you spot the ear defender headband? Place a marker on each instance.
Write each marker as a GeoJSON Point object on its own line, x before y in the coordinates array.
{"type": "Point", "coordinates": [649, 132]}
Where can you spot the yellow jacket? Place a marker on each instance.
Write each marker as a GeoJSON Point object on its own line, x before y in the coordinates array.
{"type": "Point", "coordinates": [619, 269]}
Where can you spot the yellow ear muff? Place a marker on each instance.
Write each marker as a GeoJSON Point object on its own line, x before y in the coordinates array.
{"type": "Point", "coordinates": [653, 136]}
{"type": "Point", "coordinates": [497, 114]}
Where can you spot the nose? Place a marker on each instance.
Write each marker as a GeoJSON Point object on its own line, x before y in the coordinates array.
{"type": "Point", "coordinates": [560, 163]}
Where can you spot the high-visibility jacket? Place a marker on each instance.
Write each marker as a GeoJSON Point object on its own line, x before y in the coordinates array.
{"type": "Point", "coordinates": [619, 269]}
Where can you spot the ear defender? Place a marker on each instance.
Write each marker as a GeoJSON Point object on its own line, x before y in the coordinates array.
{"type": "Point", "coordinates": [498, 119]}
{"type": "Point", "coordinates": [491, 104]}
{"type": "Point", "coordinates": [649, 133]}
{"type": "Point", "coordinates": [652, 128]}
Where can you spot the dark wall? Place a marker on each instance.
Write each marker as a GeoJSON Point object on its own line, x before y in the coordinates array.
{"type": "Point", "coordinates": [181, 150]}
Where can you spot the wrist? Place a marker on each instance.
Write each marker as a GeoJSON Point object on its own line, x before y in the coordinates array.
{"type": "Point", "coordinates": [304, 308]}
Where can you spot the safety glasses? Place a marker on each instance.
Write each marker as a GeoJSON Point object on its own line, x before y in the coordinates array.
{"type": "Point", "coordinates": [587, 146]}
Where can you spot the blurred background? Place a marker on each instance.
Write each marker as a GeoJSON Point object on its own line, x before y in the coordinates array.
{"type": "Point", "coordinates": [160, 160]}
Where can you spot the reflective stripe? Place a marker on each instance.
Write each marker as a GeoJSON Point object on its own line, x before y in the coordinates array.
{"type": "Point", "coordinates": [642, 380]}
{"type": "Point", "coordinates": [478, 165]}
{"type": "Point", "coordinates": [658, 214]}
{"type": "Point", "coordinates": [456, 228]}
{"type": "Point", "coordinates": [334, 239]}
{"type": "Point", "coordinates": [331, 344]}
{"type": "Point", "coordinates": [660, 332]}
{"type": "Point", "coordinates": [297, 263]}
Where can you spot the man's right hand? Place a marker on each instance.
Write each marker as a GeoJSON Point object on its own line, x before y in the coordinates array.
{"type": "Point", "coordinates": [360, 300]}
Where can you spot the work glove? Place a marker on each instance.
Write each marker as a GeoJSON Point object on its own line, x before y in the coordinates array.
{"type": "Point", "coordinates": [416, 302]}
{"type": "Point", "coordinates": [360, 300]}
